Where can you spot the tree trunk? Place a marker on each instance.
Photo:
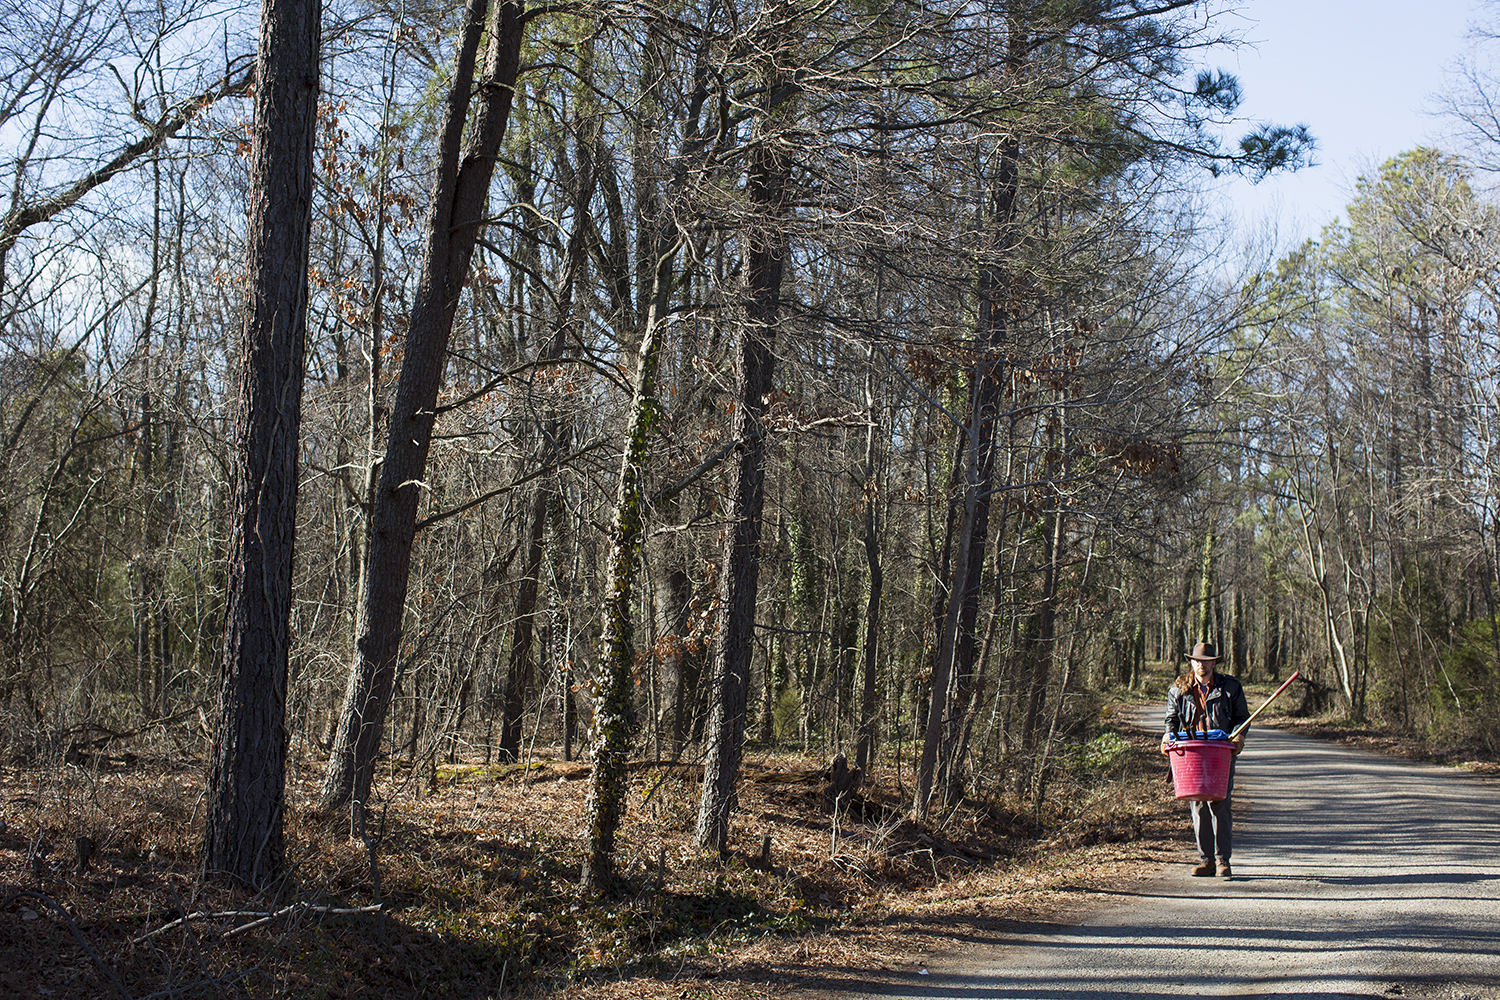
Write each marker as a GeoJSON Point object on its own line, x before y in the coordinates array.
{"type": "Point", "coordinates": [243, 832]}
{"type": "Point", "coordinates": [736, 630]}
{"type": "Point", "coordinates": [457, 213]}
{"type": "Point", "coordinates": [766, 248]}
{"type": "Point", "coordinates": [940, 694]}
{"type": "Point", "coordinates": [1043, 643]}
{"type": "Point", "coordinates": [954, 660]}
{"type": "Point", "coordinates": [613, 715]}
{"type": "Point", "coordinates": [1205, 629]}
{"type": "Point", "coordinates": [556, 429]}
{"type": "Point", "coordinates": [865, 750]}
{"type": "Point", "coordinates": [519, 672]}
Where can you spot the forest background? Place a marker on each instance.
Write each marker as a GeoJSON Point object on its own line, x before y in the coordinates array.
{"type": "Point", "coordinates": [864, 380]}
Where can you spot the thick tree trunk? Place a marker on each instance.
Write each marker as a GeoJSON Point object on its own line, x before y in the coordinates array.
{"type": "Point", "coordinates": [679, 662]}
{"type": "Point", "coordinates": [766, 246]}
{"type": "Point", "coordinates": [940, 694]}
{"type": "Point", "coordinates": [454, 220]}
{"type": "Point", "coordinates": [243, 832]}
{"type": "Point", "coordinates": [1205, 630]}
{"type": "Point", "coordinates": [733, 642]}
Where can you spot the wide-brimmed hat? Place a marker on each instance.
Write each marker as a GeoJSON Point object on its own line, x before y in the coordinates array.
{"type": "Point", "coordinates": [1204, 651]}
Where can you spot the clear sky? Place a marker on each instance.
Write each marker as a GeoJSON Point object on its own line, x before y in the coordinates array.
{"type": "Point", "coordinates": [1359, 75]}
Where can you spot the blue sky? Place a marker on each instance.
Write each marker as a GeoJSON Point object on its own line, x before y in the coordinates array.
{"type": "Point", "coordinates": [1359, 74]}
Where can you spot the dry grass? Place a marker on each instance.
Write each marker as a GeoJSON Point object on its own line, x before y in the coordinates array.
{"type": "Point", "coordinates": [478, 877]}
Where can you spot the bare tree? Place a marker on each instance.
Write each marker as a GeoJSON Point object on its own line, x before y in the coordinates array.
{"type": "Point", "coordinates": [460, 190]}
{"type": "Point", "coordinates": [767, 194]}
{"type": "Point", "coordinates": [56, 54]}
{"type": "Point", "coordinates": [243, 833]}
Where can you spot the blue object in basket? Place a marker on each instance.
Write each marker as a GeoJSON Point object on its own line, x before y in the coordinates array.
{"type": "Point", "coordinates": [1212, 734]}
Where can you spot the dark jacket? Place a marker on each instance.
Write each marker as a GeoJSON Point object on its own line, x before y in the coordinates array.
{"type": "Point", "coordinates": [1225, 702]}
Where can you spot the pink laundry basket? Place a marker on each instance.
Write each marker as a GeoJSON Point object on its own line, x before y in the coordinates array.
{"type": "Point", "coordinates": [1200, 769]}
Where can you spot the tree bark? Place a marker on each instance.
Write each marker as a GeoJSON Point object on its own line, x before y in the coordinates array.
{"type": "Point", "coordinates": [243, 832]}
{"type": "Point", "coordinates": [460, 190]}
{"type": "Point", "coordinates": [755, 364]}
{"type": "Point", "coordinates": [613, 715]}
{"type": "Point", "coordinates": [974, 469]}
{"type": "Point", "coordinates": [865, 748]}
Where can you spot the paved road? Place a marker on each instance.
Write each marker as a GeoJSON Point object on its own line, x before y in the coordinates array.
{"type": "Point", "coordinates": [1355, 875]}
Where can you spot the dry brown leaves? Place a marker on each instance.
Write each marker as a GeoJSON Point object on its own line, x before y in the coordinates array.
{"type": "Point", "coordinates": [478, 870]}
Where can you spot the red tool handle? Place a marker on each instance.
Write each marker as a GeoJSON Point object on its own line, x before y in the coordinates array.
{"type": "Point", "coordinates": [1241, 727]}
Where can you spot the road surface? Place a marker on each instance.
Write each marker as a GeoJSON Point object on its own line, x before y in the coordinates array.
{"type": "Point", "coordinates": [1355, 875]}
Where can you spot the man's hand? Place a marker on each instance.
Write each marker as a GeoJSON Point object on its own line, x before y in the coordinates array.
{"type": "Point", "coordinates": [1238, 743]}
{"type": "Point", "coordinates": [1166, 745]}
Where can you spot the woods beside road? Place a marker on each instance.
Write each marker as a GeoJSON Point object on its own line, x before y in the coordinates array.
{"type": "Point", "coordinates": [478, 882]}
{"type": "Point", "coordinates": [665, 394]}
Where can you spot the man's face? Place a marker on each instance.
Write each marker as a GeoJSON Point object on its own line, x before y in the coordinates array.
{"type": "Point", "coordinates": [1203, 670]}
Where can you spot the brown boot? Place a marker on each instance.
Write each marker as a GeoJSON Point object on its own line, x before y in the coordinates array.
{"type": "Point", "coordinates": [1204, 868]}
{"type": "Point", "coordinates": [1224, 871]}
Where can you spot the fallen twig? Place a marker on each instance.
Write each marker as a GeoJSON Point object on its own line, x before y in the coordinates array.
{"type": "Point", "coordinates": [262, 917]}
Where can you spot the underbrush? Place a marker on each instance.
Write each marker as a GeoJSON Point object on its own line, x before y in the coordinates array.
{"type": "Point", "coordinates": [469, 888]}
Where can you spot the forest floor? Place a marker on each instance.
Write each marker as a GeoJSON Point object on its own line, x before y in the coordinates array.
{"type": "Point", "coordinates": [469, 887]}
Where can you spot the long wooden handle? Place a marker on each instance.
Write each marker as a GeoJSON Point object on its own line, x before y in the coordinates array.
{"type": "Point", "coordinates": [1241, 727]}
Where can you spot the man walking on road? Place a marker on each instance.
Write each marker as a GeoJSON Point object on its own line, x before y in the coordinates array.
{"type": "Point", "coordinates": [1202, 701]}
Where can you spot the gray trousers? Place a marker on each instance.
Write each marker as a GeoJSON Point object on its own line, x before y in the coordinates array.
{"type": "Point", "coordinates": [1213, 824]}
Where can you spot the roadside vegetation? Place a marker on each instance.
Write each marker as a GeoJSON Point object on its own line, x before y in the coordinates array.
{"type": "Point", "coordinates": [470, 882]}
{"type": "Point", "coordinates": [469, 885]}
{"type": "Point", "coordinates": [473, 502]}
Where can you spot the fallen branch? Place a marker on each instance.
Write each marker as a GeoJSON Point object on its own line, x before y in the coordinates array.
{"type": "Point", "coordinates": [262, 917]}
